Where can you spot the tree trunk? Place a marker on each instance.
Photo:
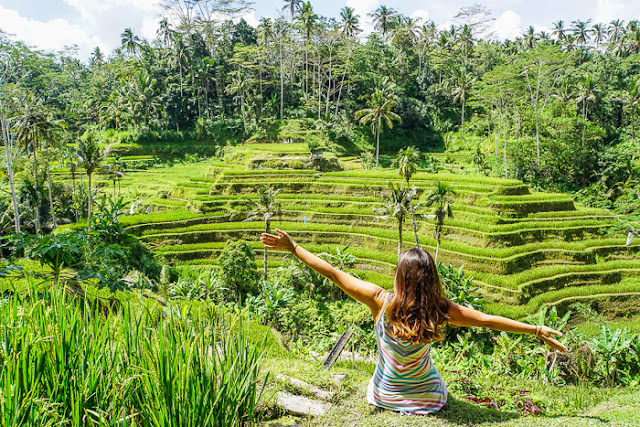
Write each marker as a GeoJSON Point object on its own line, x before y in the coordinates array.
{"type": "Point", "coordinates": [413, 218]}
{"type": "Point", "coordinates": [399, 238]}
{"type": "Point", "coordinates": [377, 144]}
{"type": "Point", "coordinates": [506, 171]}
{"type": "Point", "coordinates": [53, 214]}
{"type": "Point", "coordinates": [75, 195]}
{"type": "Point", "coordinates": [264, 272]}
{"type": "Point", "coordinates": [89, 203]}
{"type": "Point", "coordinates": [281, 83]}
{"type": "Point", "coordinates": [437, 250]}
{"type": "Point", "coordinates": [35, 184]}
{"type": "Point", "coordinates": [462, 120]}
{"type": "Point", "coordinates": [8, 146]}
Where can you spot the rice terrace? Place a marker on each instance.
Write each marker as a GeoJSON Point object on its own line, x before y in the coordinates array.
{"type": "Point", "coordinates": [306, 214]}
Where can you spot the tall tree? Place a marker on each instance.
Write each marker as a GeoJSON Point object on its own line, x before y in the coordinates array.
{"type": "Point", "coordinates": [266, 206]}
{"type": "Point", "coordinates": [90, 156]}
{"type": "Point", "coordinates": [129, 41]}
{"type": "Point", "coordinates": [407, 164]}
{"type": "Point", "coordinates": [587, 95]}
{"type": "Point", "coordinates": [350, 21]}
{"type": "Point", "coordinates": [395, 203]}
{"type": "Point", "coordinates": [461, 90]}
{"type": "Point", "coordinates": [378, 115]}
{"type": "Point", "coordinates": [441, 198]}
{"type": "Point", "coordinates": [542, 70]}
{"type": "Point", "coordinates": [384, 19]}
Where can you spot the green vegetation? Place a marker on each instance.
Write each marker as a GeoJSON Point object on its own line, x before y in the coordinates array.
{"type": "Point", "coordinates": [135, 298]}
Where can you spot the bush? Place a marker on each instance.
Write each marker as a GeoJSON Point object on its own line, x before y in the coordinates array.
{"type": "Point", "coordinates": [239, 270]}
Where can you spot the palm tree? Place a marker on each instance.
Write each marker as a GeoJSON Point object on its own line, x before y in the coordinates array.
{"type": "Point", "coordinates": [559, 31]}
{"type": "Point", "coordinates": [129, 41]}
{"type": "Point", "coordinates": [587, 96]}
{"type": "Point", "coordinates": [599, 34]}
{"type": "Point", "coordinates": [307, 20]}
{"type": "Point", "coordinates": [633, 100]}
{"type": "Point", "coordinates": [292, 5]}
{"type": "Point", "coordinates": [478, 158]}
{"type": "Point", "coordinates": [440, 197]}
{"type": "Point", "coordinates": [407, 164]}
{"type": "Point", "coordinates": [7, 137]}
{"type": "Point", "coordinates": [97, 57]}
{"type": "Point", "coordinates": [165, 32]}
{"type": "Point", "coordinates": [90, 156]}
{"type": "Point", "coordinates": [378, 115]}
{"type": "Point", "coordinates": [266, 207]}
{"type": "Point", "coordinates": [383, 19]}
{"type": "Point", "coordinates": [581, 31]}
{"type": "Point", "coordinates": [615, 30]}
{"type": "Point", "coordinates": [350, 21]}
{"type": "Point", "coordinates": [460, 92]}
{"type": "Point", "coordinates": [530, 37]}
{"type": "Point", "coordinates": [36, 124]}
{"type": "Point", "coordinates": [395, 204]}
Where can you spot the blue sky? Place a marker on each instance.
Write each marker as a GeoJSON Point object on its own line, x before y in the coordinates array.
{"type": "Point", "coordinates": [53, 24]}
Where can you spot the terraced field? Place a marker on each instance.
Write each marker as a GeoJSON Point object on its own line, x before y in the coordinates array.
{"type": "Point", "coordinates": [524, 249]}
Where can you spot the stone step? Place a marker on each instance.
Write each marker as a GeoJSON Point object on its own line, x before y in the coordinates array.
{"type": "Point", "coordinates": [302, 406]}
{"type": "Point", "coordinates": [306, 387]}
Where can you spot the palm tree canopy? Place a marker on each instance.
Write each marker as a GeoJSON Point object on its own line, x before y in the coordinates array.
{"type": "Point", "coordinates": [395, 202]}
{"type": "Point", "coordinates": [89, 154]}
{"type": "Point", "coordinates": [265, 206]}
{"type": "Point", "coordinates": [350, 21]}
{"type": "Point", "coordinates": [407, 162]}
{"type": "Point", "coordinates": [441, 197]}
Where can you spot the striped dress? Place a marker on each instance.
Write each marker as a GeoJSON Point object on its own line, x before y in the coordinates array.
{"type": "Point", "coordinates": [405, 379]}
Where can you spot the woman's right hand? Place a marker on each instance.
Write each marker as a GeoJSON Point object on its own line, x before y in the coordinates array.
{"type": "Point", "coordinates": [284, 242]}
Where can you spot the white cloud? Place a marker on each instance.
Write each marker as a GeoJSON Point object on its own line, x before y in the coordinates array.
{"type": "Point", "coordinates": [421, 15]}
{"type": "Point", "coordinates": [608, 10]}
{"type": "Point", "coordinates": [50, 35]}
{"type": "Point", "coordinates": [508, 25]}
{"type": "Point", "coordinates": [364, 8]}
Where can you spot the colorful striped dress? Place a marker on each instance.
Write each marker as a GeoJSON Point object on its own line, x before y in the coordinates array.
{"type": "Point", "coordinates": [405, 379]}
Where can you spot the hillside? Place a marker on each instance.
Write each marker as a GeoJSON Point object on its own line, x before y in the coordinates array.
{"type": "Point", "coordinates": [524, 249]}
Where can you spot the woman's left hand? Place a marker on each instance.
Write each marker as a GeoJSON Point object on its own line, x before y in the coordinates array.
{"type": "Point", "coordinates": [284, 242]}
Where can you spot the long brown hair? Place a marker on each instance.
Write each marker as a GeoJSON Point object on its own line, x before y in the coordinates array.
{"type": "Point", "coordinates": [417, 308]}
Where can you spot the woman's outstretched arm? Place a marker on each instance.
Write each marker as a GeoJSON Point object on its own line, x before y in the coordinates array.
{"type": "Point", "coordinates": [463, 316]}
{"type": "Point", "coordinates": [365, 292]}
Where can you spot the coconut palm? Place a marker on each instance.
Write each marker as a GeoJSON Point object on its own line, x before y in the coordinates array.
{"type": "Point", "coordinates": [36, 124]}
{"type": "Point", "coordinates": [90, 155]}
{"type": "Point", "coordinates": [395, 203]}
{"type": "Point", "coordinates": [129, 41]}
{"type": "Point", "coordinates": [461, 89]}
{"type": "Point", "coordinates": [378, 115]}
{"type": "Point", "coordinates": [559, 31]}
{"type": "Point", "coordinates": [97, 57]}
{"type": "Point", "coordinates": [440, 197]}
{"type": "Point", "coordinates": [599, 34]}
{"type": "Point", "coordinates": [587, 96]}
{"type": "Point", "coordinates": [292, 5]}
{"type": "Point", "coordinates": [165, 33]}
{"type": "Point", "coordinates": [581, 31]}
{"type": "Point", "coordinates": [383, 19]}
{"type": "Point", "coordinates": [266, 207]}
{"type": "Point", "coordinates": [350, 21]}
{"type": "Point", "coordinates": [633, 100]}
{"type": "Point", "coordinates": [407, 164]}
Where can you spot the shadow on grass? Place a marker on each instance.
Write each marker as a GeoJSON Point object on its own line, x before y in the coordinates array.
{"type": "Point", "coordinates": [460, 411]}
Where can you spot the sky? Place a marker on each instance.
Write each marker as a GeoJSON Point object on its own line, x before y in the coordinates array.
{"type": "Point", "coordinates": [54, 24]}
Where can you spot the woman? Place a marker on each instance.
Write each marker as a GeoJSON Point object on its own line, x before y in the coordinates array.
{"type": "Point", "coordinates": [406, 323]}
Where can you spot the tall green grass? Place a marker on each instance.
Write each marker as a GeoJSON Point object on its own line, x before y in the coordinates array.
{"type": "Point", "coordinates": [73, 361]}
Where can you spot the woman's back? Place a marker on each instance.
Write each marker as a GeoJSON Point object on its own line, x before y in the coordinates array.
{"type": "Point", "coordinates": [405, 379]}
